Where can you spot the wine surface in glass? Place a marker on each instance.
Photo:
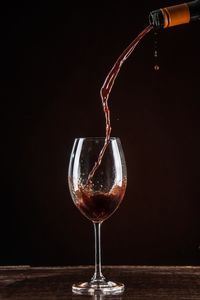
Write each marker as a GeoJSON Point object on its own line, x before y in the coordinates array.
{"type": "Point", "coordinates": [98, 206]}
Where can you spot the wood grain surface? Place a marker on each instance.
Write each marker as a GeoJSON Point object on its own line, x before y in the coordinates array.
{"type": "Point", "coordinates": [141, 282]}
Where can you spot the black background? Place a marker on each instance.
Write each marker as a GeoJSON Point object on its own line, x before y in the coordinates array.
{"type": "Point", "coordinates": [54, 60]}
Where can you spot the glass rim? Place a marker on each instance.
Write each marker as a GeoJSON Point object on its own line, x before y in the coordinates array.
{"type": "Point", "coordinates": [96, 137]}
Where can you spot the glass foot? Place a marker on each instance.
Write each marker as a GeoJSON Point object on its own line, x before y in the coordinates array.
{"type": "Point", "coordinates": [102, 288]}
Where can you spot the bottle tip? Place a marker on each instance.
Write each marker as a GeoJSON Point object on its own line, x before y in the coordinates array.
{"type": "Point", "coordinates": [156, 19]}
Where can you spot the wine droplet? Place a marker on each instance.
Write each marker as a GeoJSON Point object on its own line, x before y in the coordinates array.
{"type": "Point", "coordinates": [156, 65]}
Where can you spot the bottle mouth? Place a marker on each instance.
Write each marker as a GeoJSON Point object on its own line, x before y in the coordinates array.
{"type": "Point", "coordinates": [156, 19]}
{"type": "Point", "coordinates": [151, 19]}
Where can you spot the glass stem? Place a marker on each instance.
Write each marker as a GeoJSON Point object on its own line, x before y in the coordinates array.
{"type": "Point", "coordinates": [98, 276]}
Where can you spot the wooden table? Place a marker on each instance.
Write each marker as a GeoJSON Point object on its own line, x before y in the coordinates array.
{"type": "Point", "coordinates": [142, 282]}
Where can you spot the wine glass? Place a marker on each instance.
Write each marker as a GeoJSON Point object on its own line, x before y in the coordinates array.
{"type": "Point", "coordinates": [97, 196]}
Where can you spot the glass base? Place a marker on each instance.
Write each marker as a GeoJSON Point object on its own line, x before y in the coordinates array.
{"type": "Point", "coordinates": [102, 288]}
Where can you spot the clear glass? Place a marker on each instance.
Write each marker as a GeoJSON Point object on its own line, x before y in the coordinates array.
{"type": "Point", "coordinates": [97, 199]}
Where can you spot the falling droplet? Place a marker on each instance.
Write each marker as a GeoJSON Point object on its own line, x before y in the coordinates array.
{"type": "Point", "coordinates": [156, 65]}
{"type": "Point", "coordinates": [156, 68]}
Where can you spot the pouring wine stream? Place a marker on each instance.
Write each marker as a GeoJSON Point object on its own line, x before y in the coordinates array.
{"type": "Point", "coordinates": [105, 93]}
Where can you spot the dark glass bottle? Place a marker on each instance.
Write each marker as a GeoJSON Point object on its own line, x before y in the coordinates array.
{"type": "Point", "coordinates": [175, 15]}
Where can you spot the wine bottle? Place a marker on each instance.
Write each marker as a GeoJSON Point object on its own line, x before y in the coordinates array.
{"type": "Point", "coordinates": [175, 15]}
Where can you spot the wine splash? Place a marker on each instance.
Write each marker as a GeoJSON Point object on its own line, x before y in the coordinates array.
{"type": "Point", "coordinates": [105, 93]}
{"type": "Point", "coordinates": [98, 206]}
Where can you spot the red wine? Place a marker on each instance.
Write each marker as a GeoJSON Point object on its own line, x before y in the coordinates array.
{"type": "Point", "coordinates": [105, 93]}
{"type": "Point", "coordinates": [95, 205]}
{"type": "Point", "coordinates": [98, 206]}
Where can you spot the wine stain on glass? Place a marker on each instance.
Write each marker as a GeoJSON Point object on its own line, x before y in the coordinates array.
{"type": "Point", "coordinates": [156, 64]}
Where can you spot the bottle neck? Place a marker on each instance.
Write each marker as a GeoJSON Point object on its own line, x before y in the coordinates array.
{"type": "Point", "coordinates": [175, 15]}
